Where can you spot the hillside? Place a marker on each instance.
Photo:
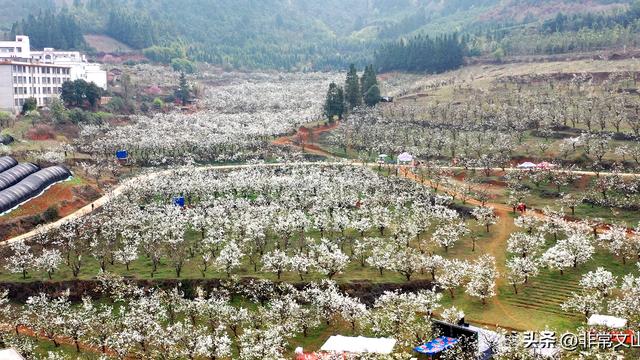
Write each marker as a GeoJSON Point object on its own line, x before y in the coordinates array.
{"type": "Point", "coordinates": [103, 43]}
{"type": "Point", "coordinates": [301, 34]}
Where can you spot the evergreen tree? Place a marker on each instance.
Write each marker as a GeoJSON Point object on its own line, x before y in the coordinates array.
{"type": "Point", "coordinates": [48, 29]}
{"type": "Point", "coordinates": [352, 93]}
{"type": "Point", "coordinates": [368, 79]}
{"type": "Point", "coordinates": [182, 93]}
{"type": "Point", "coordinates": [369, 86]}
{"type": "Point", "coordinates": [334, 104]}
{"type": "Point", "coordinates": [30, 104]}
{"type": "Point", "coordinates": [372, 96]}
{"type": "Point", "coordinates": [424, 54]}
{"type": "Point", "coordinates": [93, 94]}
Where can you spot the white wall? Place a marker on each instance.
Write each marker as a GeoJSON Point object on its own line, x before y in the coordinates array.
{"type": "Point", "coordinates": [20, 48]}
{"type": "Point", "coordinates": [6, 89]}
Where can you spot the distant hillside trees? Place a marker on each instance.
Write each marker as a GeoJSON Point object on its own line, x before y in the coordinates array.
{"type": "Point", "coordinates": [164, 54]}
{"type": "Point", "coordinates": [135, 30]}
{"type": "Point", "coordinates": [422, 53]}
{"type": "Point", "coordinates": [48, 29]}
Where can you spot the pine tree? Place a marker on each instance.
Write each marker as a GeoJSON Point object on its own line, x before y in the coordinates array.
{"type": "Point", "coordinates": [368, 79]}
{"type": "Point", "coordinates": [369, 86]}
{"type": "Point", "coordinates": [183, 89]}
{"type": "Point", "coordinates": [334, 104]}
{"type": "Point", "coordinates": [372, 96]}
{"type": "Point", "coordinates": [352, 93]}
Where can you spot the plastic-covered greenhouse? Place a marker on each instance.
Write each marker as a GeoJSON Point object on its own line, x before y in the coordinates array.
{"type": "Point", "coordinates": [7, 162]}
{"type": "Point", "coordinates": [13, 175]}
{"type": "Point", "coordinates": [31, 186]}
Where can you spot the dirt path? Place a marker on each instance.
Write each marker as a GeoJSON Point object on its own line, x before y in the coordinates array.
{"type": "Point", "coordinates": [496, 247]}
{"type": "Point", "coordinates": [304, 139]}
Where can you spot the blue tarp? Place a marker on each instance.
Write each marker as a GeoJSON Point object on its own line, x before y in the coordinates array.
{"type": "Point", "coordinates": [122, 154]}
{"type": "Point", "coordinates": [178, 201]}
{"type": "Point", "coordinates": [436, 345]}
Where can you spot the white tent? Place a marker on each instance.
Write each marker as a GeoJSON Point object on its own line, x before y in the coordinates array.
{"type": "Point", "coordinates": [487, 339]}
{"type": "Point", "coordinates": [405, 157]}
{"type": "Point", "coordinates": [10, 354]}
{"type": "Point", "coordinates": [358, 345]}
{"type": "Point", "coordinates": [608, 321]}
{"type": "Point", "coordinates": [527, 165]}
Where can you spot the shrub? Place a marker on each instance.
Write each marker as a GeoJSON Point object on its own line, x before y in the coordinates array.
{"type": "Point", "coordinates": [50, 214]}
{"type": "Point", "coordinates": [183, 65]}
{"type": "Point", "coordinates": [30, 104]}
{"type": "Point", "coordinates": [158, 104]}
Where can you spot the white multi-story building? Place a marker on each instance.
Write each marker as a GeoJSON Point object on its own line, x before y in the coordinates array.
{"type": "Point", "coordinates": [28, 74]}
{"type": "Point", "coordinates": [20, 48]}
{"type": "Point", "coordinates": [80, 67]}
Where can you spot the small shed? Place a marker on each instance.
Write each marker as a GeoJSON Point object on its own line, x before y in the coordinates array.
{"type": "Point", "coordinates": [358, 345]}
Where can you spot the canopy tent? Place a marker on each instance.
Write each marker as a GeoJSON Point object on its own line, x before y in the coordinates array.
{"type": "Point", "coordinates": [487, 339]}
{"type": "Point", "coordinates": [358, 345]}
{"type": "Point", "coordinates": [405, 157]}
{"type": "Point", "coordinates": [527, 165]}
{"type": "Point", "coordinates": [608, 321]}
{"type": "Point", "coordinates": [436, 345]}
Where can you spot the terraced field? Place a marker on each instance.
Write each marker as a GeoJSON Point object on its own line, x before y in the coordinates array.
{"type": "Point", "coordinates": [545, 293]}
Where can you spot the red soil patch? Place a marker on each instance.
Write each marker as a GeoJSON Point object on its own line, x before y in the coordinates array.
{"type": "Point", "coordinates": [55, 195]}
{"type": "Point", "coordinates": [68, 208]}
{"type": "Point", "coordinates": [41, 132]}
{"type": "Point", "coordinates": [496, 183]}
{"type": "Point", "coordinates": [306, 136]}
{"type": "Point", "coordinates": [583, 182]}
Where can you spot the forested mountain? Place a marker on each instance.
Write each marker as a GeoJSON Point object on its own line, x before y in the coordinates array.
{"type": "Point", "coordinates": [263, 33]}
{"type": "Point", "coordinates": [48, 29]}
{"type": "Point", "coordinates": [305, 34]}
